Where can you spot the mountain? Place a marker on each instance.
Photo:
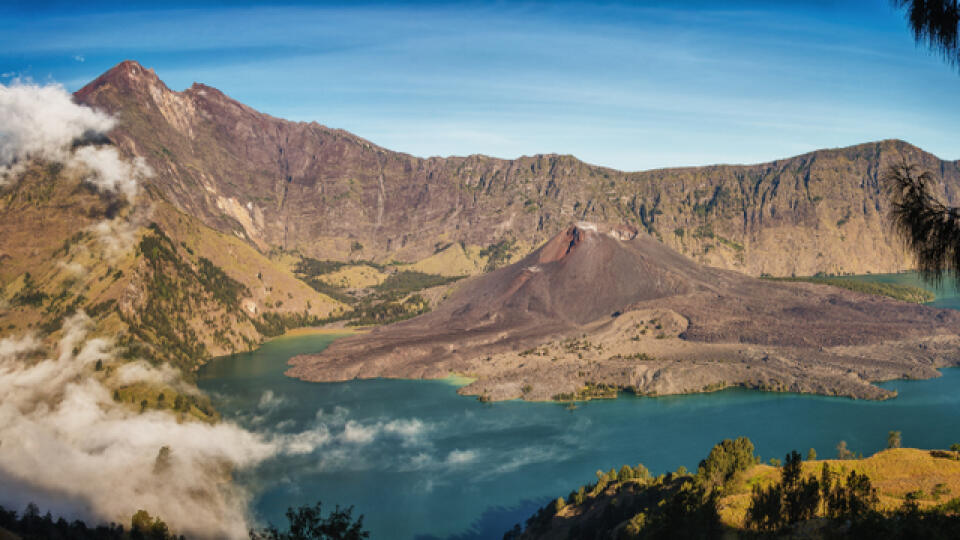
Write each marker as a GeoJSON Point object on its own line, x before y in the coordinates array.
{"type": "Point", "coordinates": [250, 225]}
{"type": "Point", "coordinates": [166, 286]}
{"type": "Point", "coordinates": [597, 309]}
{"type": "Point", "coordinates": [328, 194]}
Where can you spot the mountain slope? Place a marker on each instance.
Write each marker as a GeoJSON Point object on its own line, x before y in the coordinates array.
{"type": "Point", "coordinates": [332, 195]}
{"type": "Point", "coordinates": [166, 286]}
{"type": "Point", "coordinates": [596, 309]}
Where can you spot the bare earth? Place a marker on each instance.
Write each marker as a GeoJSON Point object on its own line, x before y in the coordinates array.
{"type": "Point", "coordinates": [600, 304]}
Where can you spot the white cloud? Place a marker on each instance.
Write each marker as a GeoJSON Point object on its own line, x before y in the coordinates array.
{"type": "Point", "coordinates": [43, 122]}
{"type": "Point", "coordinates": [270, 401]}
{"type": "Point", "coordinates": [67, 446]}
{"type": "Point", "coordinates": [108, 171]}
{"type": "Point", "coordinates": [459, 457]}
{"type": "Point", "coordinates": [411, 431]}
{"type": "Point", "coordinates": [354, 432]}
{"type": "Point", "coordinates": [117, 236]}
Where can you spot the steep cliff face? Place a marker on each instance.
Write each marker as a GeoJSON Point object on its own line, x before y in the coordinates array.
{"type": "Point", "coordinates": [330, 194]}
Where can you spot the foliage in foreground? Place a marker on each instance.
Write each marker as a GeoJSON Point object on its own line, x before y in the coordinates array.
{"type": "Point", "coordinates": [930, 229]}
{"type": "Point", "coordinates": [305, 523]}
{"type": "Point", "coordinates": [31, 525]}
{"type": "Point", "coordinates": [631, 504]}
{"type": "Point", "coordinates": [309, 523]}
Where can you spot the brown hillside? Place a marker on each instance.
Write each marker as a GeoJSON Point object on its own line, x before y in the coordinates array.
{"type": "Point", "coordinates": [598, 305]}
{"type": "Point", "coordinates": [333, 195]}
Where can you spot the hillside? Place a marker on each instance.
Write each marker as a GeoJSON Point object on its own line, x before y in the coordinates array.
{"type": "Point", "coordinates": [909, 491]}
{"type": "Point", "coordinates": [166, 286]}
{"type": "Point", "coordinates": [598, 309]}
{"type": "Point", "coordinates": [329, 194]}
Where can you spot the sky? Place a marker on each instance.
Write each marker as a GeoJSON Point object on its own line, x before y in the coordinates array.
{"type": "Point", "coordinates": [629, 85]}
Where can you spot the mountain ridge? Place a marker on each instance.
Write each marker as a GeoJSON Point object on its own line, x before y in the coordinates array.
{"type": "Point", "coordinates": [330, 194]}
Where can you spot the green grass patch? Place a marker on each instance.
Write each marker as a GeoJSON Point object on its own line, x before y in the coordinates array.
{"type": "Point", "coordinates": [904, 293]}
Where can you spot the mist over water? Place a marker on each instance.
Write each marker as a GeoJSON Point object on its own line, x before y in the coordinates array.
{"type": "Point", "coordinates": [420, 461]}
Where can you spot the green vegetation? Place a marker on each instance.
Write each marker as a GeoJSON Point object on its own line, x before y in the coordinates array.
{"type": "Point", "coordinates": [843, 452]}
{"type": "Point", "coordinates": [152, 397]}
{"type": "Point", "coordinates": [393, 300]}
{"type": "Point", "coordinates": [143, 525]}
{"type": "Point", "coordinates": [169, 292]}
{"type": "Point", "coordinates": [305, 523]}
{"type": "Point", "coordinates": [386, 312]}
{"type": "Point", "coordinates": [589, 391]}
{"type": "Point", "coordinates": [309, 523]}
{"type": "Point", "coordinates": [733, 496]}
{"type": "Point", "coordinates": [31, 525]}
{"type": "Point", "coordinates": [896, 291]}
{"type": "Point", "coordinates": [408, 281]}
{"type": "Point", "coordinates": [725, 460]}
{"type": "Point", "coordinates": [795, 499]}
{"type": "Point", "coordinates": [313, 267]}
{"type": "Point", "coordinates": [633, 504]}
{"type": "Point", "coordinates": [28, 295]}
{"type": "Point", "coordinates": [498, 254]}
{"type": "Point", "coordinates": [894, 439]}
{"type": "Point", "coordinates": [224, 289]}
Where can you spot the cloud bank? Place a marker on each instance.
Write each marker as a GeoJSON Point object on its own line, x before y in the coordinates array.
{"type": "Point", "coordinates": [66, 445]}
{"type": "Point", "coordinates": [43, 122]}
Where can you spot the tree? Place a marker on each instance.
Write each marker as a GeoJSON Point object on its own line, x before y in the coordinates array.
{"type": "Point", "coordinates": [765, 511]}
{"type": "Point", "coordinates": [559, 505]}
{"type": "Point", "coordinates": [309, 523]}
{"type": "Point", "coordinates": [142, 525]}
{"type": "Point", "coordinates": [935, 22]}
{"type": "Point", "coordinates": [842, 451]}
{"type": "Point", "coordinates": [792, 467]}
{"type": "Point", "coordinates": [725, 460]}
{"type": "Point", "coordinates": [811, 455]}
{"type": "Point", "coordinates": [690, 512]}
{"type": "Point", "coordinates": [930, 229]}
{"type": "Point", "coordinates": [893, 439]}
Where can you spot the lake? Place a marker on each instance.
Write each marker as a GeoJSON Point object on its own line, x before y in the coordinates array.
{"type": "Point", "coordinates": [421, 462]}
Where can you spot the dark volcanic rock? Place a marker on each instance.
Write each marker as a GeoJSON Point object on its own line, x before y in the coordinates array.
{"type": "Point", "coordinates": [586, 284]}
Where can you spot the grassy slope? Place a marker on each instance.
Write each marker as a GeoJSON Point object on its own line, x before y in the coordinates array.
{"type": "Point", "coordinates": [183, 294]}
{"type": "Point", "coordinates": [905, 293]}
{"type": "Point", "coordinates": [894, 473]}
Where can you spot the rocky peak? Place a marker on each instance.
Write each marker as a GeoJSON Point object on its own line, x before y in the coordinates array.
{"type": "Point", "coordinates": [323, 191]}
{"type": "Point", "coordinates": [127, 76]}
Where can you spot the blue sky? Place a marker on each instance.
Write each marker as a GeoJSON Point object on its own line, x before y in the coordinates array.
{"type": "Point", "coordinates": [629, 85]}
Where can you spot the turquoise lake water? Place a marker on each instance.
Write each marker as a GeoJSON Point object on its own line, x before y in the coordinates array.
{"type": "Point", "coordinates": [421, 462]}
